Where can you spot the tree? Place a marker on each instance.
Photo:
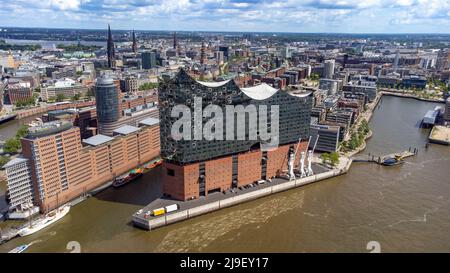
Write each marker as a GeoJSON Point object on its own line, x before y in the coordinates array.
{"type": "Point", "coordinates": [60, 97]}
{"type": "Point", "coordinates": [334, 158]}
{"type": "Point", "coordinates": [148, 85]}
{"type": "Point", "coordinates": [76, 97]}
{"type": "Point", "coordinates": [23, 130]}
{"type": "Point", "coordinates": [12, 145]}
{"type": "Point", "coordinates": [3, 160]}
{"type": "Point", "coordinates": [325, 157]}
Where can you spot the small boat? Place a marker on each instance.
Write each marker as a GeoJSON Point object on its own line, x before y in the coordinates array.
{"type": "Point", "coordinates": [20, 249]}
{"type": "Point", "coordinates": [133, 175]}
{"type": "Point", "coordinates": [154, 164]}
{"type": "Point", "coordinates": [45, 221]}
{"type": "Point", "coordinates": [392, 161]}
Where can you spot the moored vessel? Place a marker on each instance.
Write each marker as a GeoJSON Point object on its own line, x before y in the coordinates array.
{"type": "Point", "coordinates": [44, 221]}
{"type": "Point", "coordinates": [20, 249]}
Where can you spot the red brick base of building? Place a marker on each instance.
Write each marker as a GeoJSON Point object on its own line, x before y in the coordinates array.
{"type": "Point", "coordinates": [185, 182]}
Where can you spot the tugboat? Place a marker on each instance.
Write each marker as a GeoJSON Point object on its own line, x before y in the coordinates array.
{"type": "Point", "coordinates": [133, 175]}
{"type": "Point", "coordinates": [391, 161]}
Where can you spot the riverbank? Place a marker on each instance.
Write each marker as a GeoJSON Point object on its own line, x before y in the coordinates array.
{"type": "Point", "coordinates": [367, 116]}
{"type": "Point", "coordinates": [411, 96]}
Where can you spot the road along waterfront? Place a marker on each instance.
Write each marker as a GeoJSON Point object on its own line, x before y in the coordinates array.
{"type": "Point", "coordinates": [404, 208]}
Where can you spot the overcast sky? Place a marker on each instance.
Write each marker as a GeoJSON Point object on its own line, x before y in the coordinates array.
{"type": "Point", "coordinates": [349, 16]}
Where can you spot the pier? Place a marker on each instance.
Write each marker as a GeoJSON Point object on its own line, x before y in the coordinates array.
{"type": "Point", "coordinates": [378, 159]}
{"type": "Point", "coordinates": [219, 201]}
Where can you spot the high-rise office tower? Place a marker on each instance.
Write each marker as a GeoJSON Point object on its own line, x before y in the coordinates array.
{"type": "Point", "coordinates": [197, 167]}
{"type": "Point", "coordinates": [328, 70]}
{"type": "Point", "coordinates": [110, 50]}
{"type": "Point", "coordinates": [148, 59]}
{"type": "Point", "coordinates": [107, 100]}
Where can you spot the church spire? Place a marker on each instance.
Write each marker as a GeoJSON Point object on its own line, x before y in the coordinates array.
{"type": "Point", "coordinates": [110, 50]}
{"type": "Point", "coordinates": [134, 42]}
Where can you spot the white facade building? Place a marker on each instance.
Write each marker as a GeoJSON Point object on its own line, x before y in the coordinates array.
{"type": "Point", "coordinates": [18, 174]}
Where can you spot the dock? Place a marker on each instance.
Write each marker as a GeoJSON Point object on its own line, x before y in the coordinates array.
{"type": "Point", "coordinates": [378, 159]}
{"type": "Point", "coordinates": [219, 200]}
{"type": "Point", "coordinates": [440, 135]}
{"type": "Point", "coordinates": [7, 235]}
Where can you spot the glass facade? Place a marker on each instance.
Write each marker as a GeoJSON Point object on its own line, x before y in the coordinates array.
{"type": "Point", "coordinates": [107, 100]}
{"type": "Point", "coordinates": [294, 118]}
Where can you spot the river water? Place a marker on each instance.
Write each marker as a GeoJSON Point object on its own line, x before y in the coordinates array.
{"type": "Point", "coordinates": [404, 208]}
{"type": "Point", "coordinates": [50, 44]}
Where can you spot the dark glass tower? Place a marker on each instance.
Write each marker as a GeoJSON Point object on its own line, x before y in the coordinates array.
{"type": "Point", "coordinates": [110, 51]}
{"type": "Point", "coordinates": [107, 100]}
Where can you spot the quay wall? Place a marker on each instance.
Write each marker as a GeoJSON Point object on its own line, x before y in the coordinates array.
{"type": "Point", "coordinates": [178, 216]}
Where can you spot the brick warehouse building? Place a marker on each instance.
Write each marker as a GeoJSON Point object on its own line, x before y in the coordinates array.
{"type": "Point", "coordinates": [63, 166]}
{"type": "Point", "coordinates": [195, 168]}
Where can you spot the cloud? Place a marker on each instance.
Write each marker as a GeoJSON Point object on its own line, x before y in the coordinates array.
{"type": "Point", "coordinates": [235, 15]}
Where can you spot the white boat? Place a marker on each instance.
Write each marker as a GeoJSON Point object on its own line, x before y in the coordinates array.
{"type": "Point", "coordinates": [45, 221]}
{"type": "Point", "coordinates": [20, 249]}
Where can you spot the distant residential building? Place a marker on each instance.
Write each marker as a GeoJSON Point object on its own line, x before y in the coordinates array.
{"type": "Point", "coordinates": [389, 81]}
{"type": "Point", "coordinates": [414, 81]}
{"type": "Point", "coordinates": [57, 73]}
{"type": "Point", "coordinates": [18, 91]}
{"type": "Point", "coordinates": [340, 116]}
{"type": "Point", "coordinates": [66, 87]}
{"type": "Point", "coordinates": [369, 91]}
{"type": "Point", "coordinates": [330, 85]}
{"type": "Point", "coordinates": [131, 85]}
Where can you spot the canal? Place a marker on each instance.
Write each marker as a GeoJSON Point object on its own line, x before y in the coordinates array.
{"type": "Point", "coordinates": [404, 208]}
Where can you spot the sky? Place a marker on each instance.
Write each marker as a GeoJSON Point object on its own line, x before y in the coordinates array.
{"type": "Point", "coordinates": [339, 16]}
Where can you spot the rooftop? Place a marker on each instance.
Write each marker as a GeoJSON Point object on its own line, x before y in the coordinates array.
{"type": "Point", "coordinates": [259, 92]}
{"type": "Point", "coordinates": [213, 84]}
{"type": "Point", "coordinates": [49, 128]}
{"type": "Point", "coordinates": [149, 121]}
{"type": "Point", "coordinates": [15, 161]}
{"type": "Point", "coordinates": [126, 130]}
{"type": "Point", "coordinates": [97, 140]}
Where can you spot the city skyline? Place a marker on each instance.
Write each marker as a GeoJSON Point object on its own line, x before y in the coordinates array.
{"type": "Point", "coordinates": [315, 16]}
